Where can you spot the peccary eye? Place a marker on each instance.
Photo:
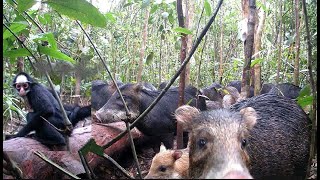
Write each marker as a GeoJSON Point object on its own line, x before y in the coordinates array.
{"type": "Point", "coordinates": [243, 143]}
{"type": "Point", "coordinates": [162, 168]}
{"type": "Point", "coordinates": [201, 142]}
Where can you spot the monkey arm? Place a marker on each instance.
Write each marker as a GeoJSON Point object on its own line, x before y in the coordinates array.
{"type": "Point", "coordinates": [31, 125]}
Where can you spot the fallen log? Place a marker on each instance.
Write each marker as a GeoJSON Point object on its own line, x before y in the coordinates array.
{"type": "Point", "coordinates": [20, 150]}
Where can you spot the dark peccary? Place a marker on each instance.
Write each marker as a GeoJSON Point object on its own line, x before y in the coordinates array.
{"type": "Point", "coordinates": [267, 134]}
{"type": "Point", "coordinates": [149, 86]}
{"type": "Point", "coordinates": [162, 85]}
{"type": "Point", "coordinates": [283, 131]}
{"type": "Point", "coordinates": [212, 92]}
{"type": "Point", "coordinates": [286, 89]}
{"type": "Point", "coordinates": [266, 88]}
{"type": "Point", "coordinates": [159, 121]}
{"type": "Point", "coordinates": [101, 92]}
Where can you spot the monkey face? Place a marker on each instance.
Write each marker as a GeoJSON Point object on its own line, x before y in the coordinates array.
{"type": "Point", "coordinates": [22, 88]}
{"type": "Point", "coordinates": [22, 85]}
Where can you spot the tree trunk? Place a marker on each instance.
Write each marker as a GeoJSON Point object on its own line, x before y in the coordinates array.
{"type": "Point", "coordinates": [297, 43]}
{"type": "Point", "coordinates": [279, 45]}
{"type": "Point", "coordinates": [221, 48]}
{"type": "Point", "coordinates": [189, 25]}
{"type": "Point", "coordinates": [257, 67]}
{"type": "Point", "coordinates": [200, 62]}
{"type": "Point", "coordinates": [77, 88]}
{"type": "Point", "coordinates": [143, 44]}
{"type": "Point", "coordinates": [20, 64]}
{"type": "Point", "coordinates": [248, 46]}
{"type": "Point", "coordinates": [182, 75]}
{"type": "Point", "coordinates": [312, 84]}
{"type": "Point", "coordinates": [160, 59]}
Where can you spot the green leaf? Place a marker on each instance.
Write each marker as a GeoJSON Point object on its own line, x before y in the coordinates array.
{"type": "Point", "coordinates": [128, 4]}
{"type": "Point", "coordinates": [177, 44]}
{"type": "Point", "coordinates": [153, 9]}
{"type": "Point", "coordinates": [149, 58]}
{"type": "Point", "coordinates": [171, 18]}
{"type": "Point", "coordinates": [125, 61]}
{"type": "Point", "coordinates": [48, 18]}
{"type": "Point", "coordinates": [20, 52]}
{"type": "Point", "coordinates": [305, 91]}
{"type": "Point", "coordinates": [51, 40]}
{"type": "Point", "coordinates": [207, 7]}
{"type": "Point", "coordinates": [46, 37]}
{"type": "Point", "coordinates": [256, 61]}
{"type": "Point", "coordinates": [110, 17]}
{"type": "Point", "coordinates": [32, 13]}
{"type": "Point", "coordinates": [80, 10]}
{"type": "Point", "coordinates": [145, 3]}
{"type": "Point", "coordinates": [182, 30]}
{"type": "Point", "coordinates": [54, 53]}
{"type": "Point", "coordinates": [162, 36]}
{"type": "Point", "coordinates": [15, 27]}
{"type": "Point", "coordinates": [18, 18]}
{"type": "Point", "coordinates": [5, 45]}
{"type": "Point", "coordinates": [25, 4]}
{"type": "Point", "coordinates": [42, 20]}
{"type": "Point", "coordinates": [259, 4]}
{"type": "Point", "coordinates": [161, 28]}
{"type": "Point", "coordinates": [91, 146]}
{"type": "Point", "coordinates": [305, 101]}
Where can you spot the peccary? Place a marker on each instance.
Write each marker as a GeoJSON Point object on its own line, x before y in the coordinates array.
{"type": "Point", "coordinates": [268, 135]}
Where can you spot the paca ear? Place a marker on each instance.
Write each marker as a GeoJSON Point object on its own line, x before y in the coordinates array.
{"type": "Point", "coordinates": [185, 114]}
{"type": "Point", "coordinates": [249, 116]}
{"type": "Point", "coordinates": [162, 148]}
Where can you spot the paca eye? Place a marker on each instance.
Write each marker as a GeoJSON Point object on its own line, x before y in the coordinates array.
{"type": "Point", "coordinates": [162, 168]}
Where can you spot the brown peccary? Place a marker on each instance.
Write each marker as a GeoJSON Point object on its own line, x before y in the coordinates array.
{"type": "Point", "coordinates": [217, 141]}
{"type": "Point", "coordinates": [268, 135]}
{"type": "Point", "coordinates": [169, 164]}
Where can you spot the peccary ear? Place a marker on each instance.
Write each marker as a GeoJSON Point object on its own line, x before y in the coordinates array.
{"type": "Point", "coordinates": [177, 154]}
{"type": "Point", "coordinates": [249, 116]}
{"type": "Point", "coordinates": [231, 96]}
{"type": "Point", "coordinates": [184, 114]}
{"type": "Point", "coordinates": [227, 101]}
{"type": "Point", "coordinates": [112, 85]}
{"type": "Point", "coordinates": [162, 148]}
{"type": "Point", "coordinates": [137, 87]}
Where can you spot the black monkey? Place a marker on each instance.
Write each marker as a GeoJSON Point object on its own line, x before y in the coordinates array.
{"type": "Point", "coordinates": [75, 113]}
{"type": "Point", "coordinates": [44, 105]}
